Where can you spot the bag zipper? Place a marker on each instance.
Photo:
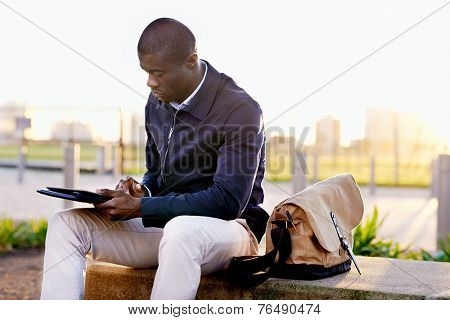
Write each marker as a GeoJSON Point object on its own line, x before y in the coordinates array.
{"type": "Point", "coordinates": [168, 146]}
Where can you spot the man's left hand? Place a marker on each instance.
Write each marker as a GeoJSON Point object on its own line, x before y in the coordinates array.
{"type": "Point", "coordinates": [122, 207]}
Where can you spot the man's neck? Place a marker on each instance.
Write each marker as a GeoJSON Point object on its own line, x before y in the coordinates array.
{"type": "Point", "coordinates": [198, 73]}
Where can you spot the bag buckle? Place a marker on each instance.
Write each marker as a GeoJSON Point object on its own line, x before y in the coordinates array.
{"type": "Point", "coordinates": [279, 224]}
{"type": "Point", "coordinates": [289, 220]}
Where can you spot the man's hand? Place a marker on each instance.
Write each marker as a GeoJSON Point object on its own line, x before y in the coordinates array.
{"type": "Point", "coordinates": [132, 187]}
{"type": "Point", "coordinates": [123, 206]}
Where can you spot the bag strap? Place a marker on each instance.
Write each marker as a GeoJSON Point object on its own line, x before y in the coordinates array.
{"type": "Point", "coordinates": [281, 239]}
{"type": "Point", "coordinates": [247, 271]}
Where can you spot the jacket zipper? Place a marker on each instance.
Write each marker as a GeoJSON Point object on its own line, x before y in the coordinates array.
{"type": "Point", "coordinates": [168, 146]}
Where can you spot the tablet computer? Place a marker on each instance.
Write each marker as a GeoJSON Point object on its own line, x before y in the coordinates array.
{"type": "Point", "coordinates": [74, 195]}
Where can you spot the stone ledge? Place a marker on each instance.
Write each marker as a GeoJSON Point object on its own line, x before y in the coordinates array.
{"type": "Point", "coordinates": [382, 278]}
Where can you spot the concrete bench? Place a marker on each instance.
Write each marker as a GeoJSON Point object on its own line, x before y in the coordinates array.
{"type": "Point", "coordinates": [381, 278]}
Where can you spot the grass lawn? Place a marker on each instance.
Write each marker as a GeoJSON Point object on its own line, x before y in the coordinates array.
{"type": "Point", "coordinates": [48, 151]}
{"type": "Point", "coordinates": [412, 174]}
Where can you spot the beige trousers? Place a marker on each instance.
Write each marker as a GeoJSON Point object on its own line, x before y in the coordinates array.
{"type": "Point", "coordinates": [187, 247]}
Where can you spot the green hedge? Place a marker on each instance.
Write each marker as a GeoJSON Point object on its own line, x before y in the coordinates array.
{"type": "Point", "coordinates": [367, 243]}
{"type": "Point", "coordinates": [21, 235]}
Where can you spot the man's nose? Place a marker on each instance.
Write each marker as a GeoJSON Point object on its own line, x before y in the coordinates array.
{"type": "Point", "coordinates": [151, 82]}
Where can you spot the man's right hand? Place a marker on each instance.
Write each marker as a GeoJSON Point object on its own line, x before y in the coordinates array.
{"type": "Point", "coordinates": [132, 187]}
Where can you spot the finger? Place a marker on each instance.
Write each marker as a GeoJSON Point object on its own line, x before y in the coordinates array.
{"type": "Point", "coordinates": [119, 185]}
{"type": "Point", "coordinates": [128, 184]}
{"type": "Point", "coordinates": [101, 206]}
{"type": "Point", "coordinates": [99, 209]}
{"type": "Point", "coordinates": [109, 192]}
{"type": "Point", "coordinates": [106, 191]}
{"type": "Point", "coordinates": [105, 206]}
{"type": "Point", "coordinates": [129, 180]}
{"type": "Point", "coordinates": [137, 188]}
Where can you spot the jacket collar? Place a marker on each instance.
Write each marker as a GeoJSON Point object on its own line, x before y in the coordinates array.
{"type": "Point", "coordinates": [202, 102]}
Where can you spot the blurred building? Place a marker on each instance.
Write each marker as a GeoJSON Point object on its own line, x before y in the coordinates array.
{"type": "Point", "coordinates": [134, 128]}
{"type": "Point", "coordinates": [280, 145]}
{"type": "Point", "coordinates": [12, 126]}
{"type": "Point", "coordinates": [390, 132]}
{"type": "Point", "coordinates": [73, 131]}
{"type": "Point", "coordinates": [328, 136]}
{"type": "Point", "coordinates": [380, 130]}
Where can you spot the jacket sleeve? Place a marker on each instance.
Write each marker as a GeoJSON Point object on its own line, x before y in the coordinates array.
{"type": "Point", "coordinates": [237, 166]}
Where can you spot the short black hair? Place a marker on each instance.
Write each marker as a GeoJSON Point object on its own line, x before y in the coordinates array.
{"type": "Point", "coordinates": [169, 37]}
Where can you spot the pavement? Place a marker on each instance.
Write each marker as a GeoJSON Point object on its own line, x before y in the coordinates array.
{"type": "Point", "coordinates": [381, 279]}
{"type": "Point", "coordinates": [410, 213]}
{"type": "Point", "coordinates": [21, 274]}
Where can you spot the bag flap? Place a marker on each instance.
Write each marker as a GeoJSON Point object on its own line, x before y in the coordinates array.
{"type": "Point", "coordinates": [339, 194]}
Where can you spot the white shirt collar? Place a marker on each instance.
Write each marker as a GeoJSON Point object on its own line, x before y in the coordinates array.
{"type": "Point", "coordinates": [179, 106]}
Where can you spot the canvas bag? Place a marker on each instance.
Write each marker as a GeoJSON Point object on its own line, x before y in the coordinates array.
{"type": "Point", "coordinates": [301, 239]}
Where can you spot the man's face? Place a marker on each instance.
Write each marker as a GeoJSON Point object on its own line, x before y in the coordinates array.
{"type": "Point", "coordinates": [169, 81]}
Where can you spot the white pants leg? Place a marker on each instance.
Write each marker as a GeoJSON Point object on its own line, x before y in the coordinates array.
{"type": "Point", "coordinates": [192, 246]}
{"type": "Point", "coordinates": [186, 248]}
{"type": "Point", "coordinates": [74, 233]}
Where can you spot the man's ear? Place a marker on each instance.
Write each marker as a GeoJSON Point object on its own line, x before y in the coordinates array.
{"type": "Point", "coordinates": [191, 61]}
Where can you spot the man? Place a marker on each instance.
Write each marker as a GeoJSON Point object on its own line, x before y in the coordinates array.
{"type": "Point", "coordinates": [199, 202]}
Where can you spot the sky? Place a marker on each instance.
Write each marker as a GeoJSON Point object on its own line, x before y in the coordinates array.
{"type": "Point", "coordinates": [278, 51]}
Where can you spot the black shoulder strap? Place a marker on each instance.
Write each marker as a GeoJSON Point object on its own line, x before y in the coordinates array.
{"type": "Point", "coordinates": [248, 271]}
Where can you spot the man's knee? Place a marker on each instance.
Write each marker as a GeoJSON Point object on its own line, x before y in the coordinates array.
{"type": "Point", "coordinates": [56, 219]}
{"type": "Point", "coordinates": [182, 229]}
{"type": "Point", "coordinates": [64, 219]}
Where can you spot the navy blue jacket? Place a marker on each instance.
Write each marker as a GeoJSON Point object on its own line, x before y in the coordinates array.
{"type": "Point", "coordinates": [207, 159]}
